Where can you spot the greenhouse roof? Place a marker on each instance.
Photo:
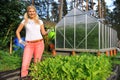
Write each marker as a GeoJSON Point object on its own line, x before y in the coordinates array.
{"type": "Point", "coordinates": [76, 16]}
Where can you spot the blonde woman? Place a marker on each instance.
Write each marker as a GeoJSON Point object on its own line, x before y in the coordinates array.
{"type": "Point", "coordinates": [34, 44]}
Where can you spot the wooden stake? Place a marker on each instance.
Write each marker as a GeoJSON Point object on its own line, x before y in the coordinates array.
{"type": "Point", "coordinates": [10, 45]}
{"type": "Point", "coordinates": [107, 53]}
{"type": "Point", "coordinates": [53, 52]}
{"type": "Point", "coordinates": [98, 53]}
{"type": "Point", "coordinates": [115, 52]}
{"type": "Point", "coordinates": [111, 53]}
{"type": "Point", "coordinates": [73, 52]}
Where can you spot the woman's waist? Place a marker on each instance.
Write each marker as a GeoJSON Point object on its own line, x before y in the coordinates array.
{"type": "Point", "coordinates": [33, 37]}
{"type": "Point", "coordinates": [34, 41]}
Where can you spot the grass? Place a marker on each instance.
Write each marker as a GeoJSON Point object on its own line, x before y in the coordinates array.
{"type": "Point", "coordinates": [116, 59]}
{"type": "Point", "coordinates": [13, 61]}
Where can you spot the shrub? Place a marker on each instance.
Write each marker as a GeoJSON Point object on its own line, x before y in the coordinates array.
{"type": "Point", "coordinates": [9, 61]}
{"type": "Point", "coordinates": [84, 67]}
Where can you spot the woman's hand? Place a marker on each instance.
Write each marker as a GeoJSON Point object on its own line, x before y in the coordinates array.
{"type": "Point", "coordinates": [22, 42]}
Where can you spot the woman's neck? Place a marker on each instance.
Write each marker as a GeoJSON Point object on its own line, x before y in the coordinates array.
{"type": "Point", "coordinates": [31, 18]}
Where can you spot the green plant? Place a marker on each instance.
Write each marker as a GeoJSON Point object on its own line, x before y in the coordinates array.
{"type": "Point", "coordinates": [48, 25]}
{"type": "Point", "coordinates": [9, 61]}
{"type": "Point", "coordinates": [84, 67]}
{"type": "Point", "coordinates": [116, 59]}
{"type": "Point", "coordinates": [11, 11]}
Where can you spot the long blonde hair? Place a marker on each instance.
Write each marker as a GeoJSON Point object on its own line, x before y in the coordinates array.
{"type": "Point", "coordinates": [26, 17]}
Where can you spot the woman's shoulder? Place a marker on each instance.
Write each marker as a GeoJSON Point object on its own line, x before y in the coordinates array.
{"type": "Point", "coordinates": [40, 21]}
{"type": "Point", "coordinates": [23, 21]}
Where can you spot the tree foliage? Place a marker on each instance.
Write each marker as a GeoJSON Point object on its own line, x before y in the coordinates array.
{"type": "Point", "coordinates": [64, 7]}
{"type": "Point", "coordinates": [11, 11]}
{"type": "Point", "coordinates": [115, 17]}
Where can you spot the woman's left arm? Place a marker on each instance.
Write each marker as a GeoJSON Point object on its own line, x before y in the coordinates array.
{"type": "Point", "coordinates": [43, 30]}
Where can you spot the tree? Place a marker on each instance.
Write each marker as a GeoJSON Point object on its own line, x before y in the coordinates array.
{"type": "Point", "coordinates": [64, 7]}
{"type": "Point", "coordinates": [54, 11]}
{"type": "Point", "coordinates": [115, 17]}
{"type": "Point", "coordinates": [60, 9]}
{"type": "Point", "coordinates": [10, 10]}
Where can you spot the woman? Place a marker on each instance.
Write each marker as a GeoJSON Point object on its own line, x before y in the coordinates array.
{"type": "Point", "coordinates": [34, 44]}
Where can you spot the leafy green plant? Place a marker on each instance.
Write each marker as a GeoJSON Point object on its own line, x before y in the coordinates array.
{"type": "Point", "coordinates": [10, 18]}
{"type": "Point", "coordinates": [116, 59]}
{"type": "Point", "coordinates": [9, 61]}
{"type": "Point", "coordinates": [48, 25]}
{"type": "Point", "coordinates": [84, 67]}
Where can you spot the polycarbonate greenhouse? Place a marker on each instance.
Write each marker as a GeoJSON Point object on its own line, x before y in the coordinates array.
{"type": "Point", "coordinates": [79, 31]}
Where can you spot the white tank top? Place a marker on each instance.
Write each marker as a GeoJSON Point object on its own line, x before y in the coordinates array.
{"type": "Point", "coordinates": [32, 30]}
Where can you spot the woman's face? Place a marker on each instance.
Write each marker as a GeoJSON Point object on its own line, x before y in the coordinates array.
{"type": "Point", "coordinates": [31, 13]}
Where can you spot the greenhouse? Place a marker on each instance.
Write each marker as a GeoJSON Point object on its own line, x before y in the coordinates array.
{"type": "Point", "coordinates": [80, 31]}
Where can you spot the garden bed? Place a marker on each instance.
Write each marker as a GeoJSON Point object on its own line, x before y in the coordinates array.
{"type": "Point", "coordinates": [10, 75]}
{"type": "Point", "coordinates": [15, 74]}
{"type": "Point", "coordinates": [116, 74]}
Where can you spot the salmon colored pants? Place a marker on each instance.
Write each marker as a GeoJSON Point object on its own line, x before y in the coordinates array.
{"type": "Point", "coordinates": [31, 50]}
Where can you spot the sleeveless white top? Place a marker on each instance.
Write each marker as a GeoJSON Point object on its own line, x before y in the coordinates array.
{"type": "Point", "coordinates": [32, 30]}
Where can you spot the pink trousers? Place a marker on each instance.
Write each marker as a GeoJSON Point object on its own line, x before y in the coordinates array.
{"type": "Point", "coordinates": [31, 50]}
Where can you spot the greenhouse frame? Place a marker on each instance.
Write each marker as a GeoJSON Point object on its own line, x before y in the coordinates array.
{"type": "Point", "coordinates": [80, 31]}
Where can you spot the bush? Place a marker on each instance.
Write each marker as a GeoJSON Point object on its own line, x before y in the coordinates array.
{"type": "Point", "coordinates": [84, 67]}
{"type": "Point", "coordinates": [9, 61]}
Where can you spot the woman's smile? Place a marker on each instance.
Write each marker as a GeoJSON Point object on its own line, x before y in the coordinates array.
{"type": "Point", "coordinates": [31, 13]}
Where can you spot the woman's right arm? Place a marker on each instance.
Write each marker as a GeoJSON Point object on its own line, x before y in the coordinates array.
{"type": "Point", "coordinates": [20, 27]}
